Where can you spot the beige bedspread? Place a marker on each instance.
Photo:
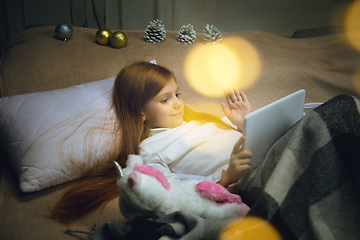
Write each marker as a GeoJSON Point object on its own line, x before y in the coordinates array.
{"type": "Point", "coordinates": [36, 61]}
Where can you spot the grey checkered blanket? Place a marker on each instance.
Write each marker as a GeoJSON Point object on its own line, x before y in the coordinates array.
{"type": "Point", "coordinates": [308, 186]}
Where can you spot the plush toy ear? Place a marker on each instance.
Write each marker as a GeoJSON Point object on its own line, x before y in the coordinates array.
{"type": "Point", "coordinates": [132, 180]}
{"type": "Point", "coordinates": [119, 171]}
{"type": "Point", "coordinates": [133, 160]}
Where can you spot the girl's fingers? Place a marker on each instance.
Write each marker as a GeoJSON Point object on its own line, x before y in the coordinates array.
{"type": "Point", "coordinates": [228, 97]}
{"type": "Point", "coordinates": [226, 93]}
{"type": "Point", "coordinates": [237, 95]}
{"type": "Point", "coordinates": [225, 108]}
{"type": "Point", "coordinates": [238, 144]}
{"type": "Point", "coordinates": [229, 101]}
{"type": "Point", "coordinates": [242, 154]}
{"type": "Point", "coordinates": [239, 153]}
{"type": "Point", "coordinates": [244, 168]}
{"type": "Point", "coordinates": [244, 162]}
{"type": "Point", "coordinates": [243, 96]}
{"type": "Point", "coordinates": [232, 95]}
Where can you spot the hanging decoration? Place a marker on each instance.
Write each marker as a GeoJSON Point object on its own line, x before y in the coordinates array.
{"type": "Point", "coordinates": [94, 12]}
{"type": "Point", "coordinates": [64, 31]}
{"type": "Point", "coordinates": [187, 34]}
{"type": "Point", "coordinates": [118, 39]}
{"type": "Point", "coordinates": [155, 32]}
{"type": "Point", "coordinates": [103, 36]}
{"type": "Point", "coordinates": [212, 34]}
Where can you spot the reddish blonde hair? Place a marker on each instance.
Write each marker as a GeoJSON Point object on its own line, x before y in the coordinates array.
{"type": "Point", "coordinates": [134, 86]}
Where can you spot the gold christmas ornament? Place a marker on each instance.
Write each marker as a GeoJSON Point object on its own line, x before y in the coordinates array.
{"type": "Point", "coordinates": [118, 39]}
{"type": "Point", "coordinates": [103, 36]}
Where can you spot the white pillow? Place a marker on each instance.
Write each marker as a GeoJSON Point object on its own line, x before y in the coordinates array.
{"type": "Point", "coordinates": [53, 137]}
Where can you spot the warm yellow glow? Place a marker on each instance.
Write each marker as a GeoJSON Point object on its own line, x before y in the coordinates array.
{"type": "Point", "coordinates": [207, 106]}
{"type": "Point", "coordinates": [352, 24]}
{"type": "Point", "coordinates": [250, 228]}
{"type": "Point", "coordinates": [233, 62]}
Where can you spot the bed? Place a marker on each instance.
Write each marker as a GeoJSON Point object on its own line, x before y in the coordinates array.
{"type": "Point", "coordinates": [45, 81]}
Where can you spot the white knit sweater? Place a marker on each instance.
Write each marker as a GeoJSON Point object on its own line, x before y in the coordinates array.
{"type": "Point", "coordinates": [193, 148]}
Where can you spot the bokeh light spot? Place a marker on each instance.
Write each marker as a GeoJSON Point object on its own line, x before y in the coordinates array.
{"type": "Point", "coordinates": [210, 69]}
{"type": "Point", "coordinates": [247, 228]}
{"type": "Point", "coordinates": [352, 24]}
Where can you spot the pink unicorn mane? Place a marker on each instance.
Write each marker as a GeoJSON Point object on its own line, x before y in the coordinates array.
{"type": "Point", "coordinates": [148, 170]}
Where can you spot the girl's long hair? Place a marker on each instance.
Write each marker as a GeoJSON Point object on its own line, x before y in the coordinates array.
{"type": "Point", "coordinates": [134, 86]}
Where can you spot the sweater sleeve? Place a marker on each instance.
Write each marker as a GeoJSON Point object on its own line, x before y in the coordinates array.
{"type": "Point", "coordinates": [155, 161]}
{"type": "Point", "coordinates": [214, 177]}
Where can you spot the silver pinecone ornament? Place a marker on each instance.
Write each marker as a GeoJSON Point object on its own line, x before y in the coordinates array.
{"type": "Point", "coordinates": [155, 32]}
{"type": "Point", "coordinates": [212, 34]}
{"type": "Point", "coordinates": [187, 34]}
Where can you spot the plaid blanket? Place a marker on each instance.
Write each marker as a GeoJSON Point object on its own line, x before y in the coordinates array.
{"type": "Point", "coordinates": [308, 186]}
{"type": "Point", "coordinates": [309, 183]}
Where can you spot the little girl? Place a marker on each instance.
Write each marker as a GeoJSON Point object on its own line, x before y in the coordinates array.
{"type": "Point", "coordinates": [155, 124]}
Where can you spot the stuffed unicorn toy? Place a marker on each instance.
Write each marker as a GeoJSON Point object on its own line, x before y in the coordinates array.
{"type": "Point", "coordinates": [145, 190]}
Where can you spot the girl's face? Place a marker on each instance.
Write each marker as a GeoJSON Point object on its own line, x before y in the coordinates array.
{"type": "Point", "coordinates": [166, 109]}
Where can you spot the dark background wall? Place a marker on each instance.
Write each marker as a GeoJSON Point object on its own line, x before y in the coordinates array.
{"type": "Point", "coordinates": [280, 17]}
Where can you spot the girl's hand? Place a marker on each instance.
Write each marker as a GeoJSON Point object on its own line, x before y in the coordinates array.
{"type": "Point", "coordinates": [239, 106]}
{"type": "Point", "coordinates": [239, 163]}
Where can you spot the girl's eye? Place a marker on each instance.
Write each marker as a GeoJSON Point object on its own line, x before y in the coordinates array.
{"type": "Point", "coordinates": [164, 100]}
{"type": "Point", "coordinates": [178, 95]}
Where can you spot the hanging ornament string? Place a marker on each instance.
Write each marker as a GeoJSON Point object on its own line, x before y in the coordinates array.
{"type": "Point", "coordinates": [95, 15]}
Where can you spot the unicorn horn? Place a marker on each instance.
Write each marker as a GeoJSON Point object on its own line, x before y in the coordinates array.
{"type": "Point", "coordinates": [119, 171]}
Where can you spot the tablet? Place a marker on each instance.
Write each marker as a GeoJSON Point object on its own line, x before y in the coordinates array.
{"type": "Point", "coordinates": [263, 127]}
